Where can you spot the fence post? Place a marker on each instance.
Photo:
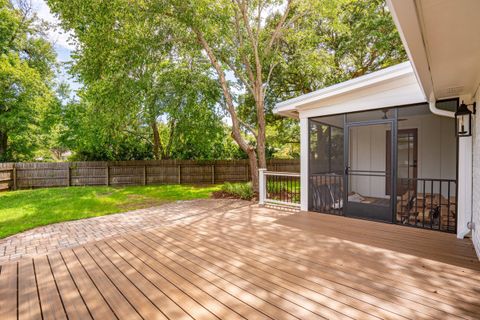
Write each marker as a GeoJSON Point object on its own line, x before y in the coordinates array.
{"type": "Point", "coordinates": [145, 175]}
{"type": "Point", "coordinates": [262, 186]}
{"type": "Point", "coordinates": [213, 173]}
{"type": "Point", "coordinates": [108, 175]}
{"type": "Point", "coordinates": [14, 176]}
{"type": "Point", "coordinates": [69, 182]}
{"type": "Point", "coordinates": [179, 174]}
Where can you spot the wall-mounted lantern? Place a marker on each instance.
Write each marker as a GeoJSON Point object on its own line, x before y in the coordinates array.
{"type": "Point", "coordinates": [463, 120]}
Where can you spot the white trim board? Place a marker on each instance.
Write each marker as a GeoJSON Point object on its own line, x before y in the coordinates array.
{"type": "Point", "coordinates": [394, 86]}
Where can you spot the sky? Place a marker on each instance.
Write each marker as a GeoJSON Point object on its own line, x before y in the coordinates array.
{"type": "Point", "coordinates": [61, 40]}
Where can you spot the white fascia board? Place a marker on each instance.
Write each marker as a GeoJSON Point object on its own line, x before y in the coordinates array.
{"type": "Point", "coordinates": [402, 91]}
{"type": "Point", "coordinates": [405, 14]}
{"type": "Point", "coordinates": [347, 87]}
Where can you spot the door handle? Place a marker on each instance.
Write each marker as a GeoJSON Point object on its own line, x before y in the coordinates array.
{"type": "Point", "coordinates": [346, 169]}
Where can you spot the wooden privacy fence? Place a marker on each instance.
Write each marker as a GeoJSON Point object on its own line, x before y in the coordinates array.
{"type": "Point", "coordinates": [120, 173]}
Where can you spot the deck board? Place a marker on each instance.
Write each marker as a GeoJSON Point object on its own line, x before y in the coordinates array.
{"type": "Point", "coordinates": [28, 303]}
{"type": "Point", "coordinates": [276, 307]}
{"type": "Point", "coordinates": [8, 291]}
{"type": "Point", "coordinates": [253, 263]}
{"type": "Point", "coordinates": [161, 277]}
{"type": "Point", "coordinates": [352, 290]}
{"type": "Point", "coordinates": [143, 280]}
{"type": "Point", "coordinates": [94, 300]}
{"type": "Point", "coordinates": [215, 292]}
{"type": "Point", "coordinates": [51, 303]}
{"type": "Point", "coordinates": [359, 278]}
{"type": "Point", "coordinates": [290, 295]}
{"type": "Point", "coordinates": [114, 297]}
{"type": "Point", "coordinates": [72, 300]}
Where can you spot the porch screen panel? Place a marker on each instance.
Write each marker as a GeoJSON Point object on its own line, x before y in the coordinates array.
{"type": "Point", "coordinates": [426, 169]}
{"type": "Point", "coordinates": [326, 163]}
{"type": "Point", "coordinates": [367, 174]}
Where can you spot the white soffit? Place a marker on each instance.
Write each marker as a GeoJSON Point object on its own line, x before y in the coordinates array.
{"type": "Point", "coordinates": [393, 86]}
{"type": "Point", "coordinates": [442, 38]}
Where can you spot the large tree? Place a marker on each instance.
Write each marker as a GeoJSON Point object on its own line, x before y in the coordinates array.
{"type": "Point", "coordinates": [342, 40]}
{"type": "Point", "coordinates": [257, 46]}
{"type": "Point", "coordinates": [258, 53]}
{"type": "Point", "coordinates": [139, 71]}
{"type": "Point", "coordinates": [241, 40]}
{"type": "Point", "coordinates": [27, 63]}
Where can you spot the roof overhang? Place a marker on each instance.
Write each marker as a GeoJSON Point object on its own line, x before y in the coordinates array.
{"type": "Point", "coordinates": [392, 86]}
{"type": "Point", "coordinates": [442, 40]}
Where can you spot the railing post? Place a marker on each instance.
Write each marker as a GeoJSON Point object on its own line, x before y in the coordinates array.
{"type": "Point", "coordinates": [262, 186]}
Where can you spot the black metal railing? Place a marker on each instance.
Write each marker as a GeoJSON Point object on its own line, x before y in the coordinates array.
{"type": "Point", "coordinates": [421, 202]}
{"type": "Point", "coordinates": [282, 188]}
{"type": "Point", "coordinates": [327, 193]}
{"type": "Point", "coordinates": [427, 203]}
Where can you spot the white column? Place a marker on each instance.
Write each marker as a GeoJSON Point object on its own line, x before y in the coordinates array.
{"type": "Point", "coordinates": [304, 164]}
{"type": "Point", "coordinates": [464, 201]}
{"type": "Point", "coordinates": [262, 186]}
{"type": "Point", "coordinates": [476, 177]}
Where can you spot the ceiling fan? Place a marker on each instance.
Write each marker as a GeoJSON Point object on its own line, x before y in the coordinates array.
{"type": "Point", "coordinates": [385, 117]}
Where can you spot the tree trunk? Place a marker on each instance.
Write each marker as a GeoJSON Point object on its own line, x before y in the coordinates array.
{"type": "Point", "coordinates": [252, 159]}
{"type": "Point", "coordinates": [259, 101]}
{"type": "Point", "coordinates": [3, 144]}
{"type": "Point", "coordinates": [236, 133]}
{"type": "Point", "coordinates": [156, 140]}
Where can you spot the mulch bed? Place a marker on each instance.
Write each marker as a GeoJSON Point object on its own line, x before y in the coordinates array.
{"type": "Point", "coordinates": [226, 195]}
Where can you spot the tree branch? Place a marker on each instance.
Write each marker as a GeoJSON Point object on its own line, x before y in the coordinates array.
{"type": "Point", "coordinates": [279, 27]}
{"type": "Point", "coordinates": [226, 92]}
{"type": "Point", "coordinates": [238, 74]}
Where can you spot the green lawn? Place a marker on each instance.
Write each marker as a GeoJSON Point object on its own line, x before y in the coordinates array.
{"type": "Point", "coordinates": [26, 209]}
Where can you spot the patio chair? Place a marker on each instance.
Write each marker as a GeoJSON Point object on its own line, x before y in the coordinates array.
{"type": "Point", "coordinates": [408, 211]}
{"type": "Point", "coordinates": [327, 197]}
{"type": "Point", "coordinates": [337, 196]}
{"type": "Point", "coordinates": [435, 215]}
{"type": "Point", "coordinates": [322, 199]}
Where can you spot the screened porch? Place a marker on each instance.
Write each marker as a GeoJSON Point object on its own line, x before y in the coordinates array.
{"type": "Point", "coordinates": [396, 165]}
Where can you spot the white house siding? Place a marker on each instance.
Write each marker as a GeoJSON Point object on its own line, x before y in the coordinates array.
{"type": "Point", "coordinates": [476, 179]}
{"type": "Point", "coordinates": [368, 152]}
{"type": "Point", "coordinates": [436, 152]}
{"type": "Point", "coordinates": [437, 155]}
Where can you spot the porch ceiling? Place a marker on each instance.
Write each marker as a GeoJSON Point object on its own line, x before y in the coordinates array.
{"type": "Point", "coordinates": [443, 42]}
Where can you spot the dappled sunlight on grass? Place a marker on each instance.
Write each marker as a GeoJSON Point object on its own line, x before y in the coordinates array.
{"type": "Point", "coordinates": [25, 209]}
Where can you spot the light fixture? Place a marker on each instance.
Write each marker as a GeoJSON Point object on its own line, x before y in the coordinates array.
{"type": "Point", "coordinates": [463, 120]}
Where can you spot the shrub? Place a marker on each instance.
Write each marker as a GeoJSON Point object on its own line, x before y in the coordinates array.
{"type": "Point", "coordinates": [239, 190]}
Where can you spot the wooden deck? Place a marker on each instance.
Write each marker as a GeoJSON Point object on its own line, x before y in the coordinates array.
{"type": "Point", "coordinates": [254, 263]}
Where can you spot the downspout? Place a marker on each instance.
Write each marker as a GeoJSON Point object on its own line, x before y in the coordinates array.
{"type": "Point", "coordinates": [444, 113]}
{"type": "Point", "coordinates": [439, 112]}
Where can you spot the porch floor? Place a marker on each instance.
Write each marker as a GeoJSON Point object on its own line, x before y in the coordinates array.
{"type": "Point", "coordinates": [234, 260]}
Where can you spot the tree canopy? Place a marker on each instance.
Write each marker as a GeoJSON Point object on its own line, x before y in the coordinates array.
{"type": "Point", "coordinates": [189, 79]}
{"type": "Point", "coordinates": [27, 63]}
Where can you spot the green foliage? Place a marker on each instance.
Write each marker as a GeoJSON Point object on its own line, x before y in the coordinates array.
{"type": "Point", "coordinates": [337, 41]}
{"type": "Point", "coordinates": [27, 63]}
{"type": "Point", "coordinates": [26, 209]}
{"type": "Point", "coordinates": [239, 190]}
{"type": "Point", "coordinates": [160, 90]}
{"type": "Point", "coordinates": [150, 91]}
